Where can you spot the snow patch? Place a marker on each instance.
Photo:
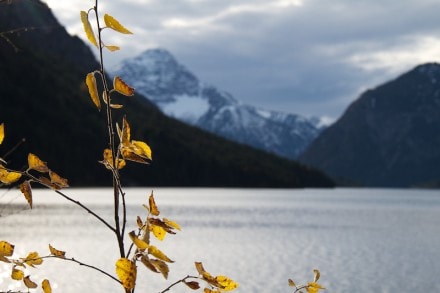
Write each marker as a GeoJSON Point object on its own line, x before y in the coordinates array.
{"type": "Point", "coordinates": [187, 108]}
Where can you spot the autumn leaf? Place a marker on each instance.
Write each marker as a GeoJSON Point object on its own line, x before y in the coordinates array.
{"type": "Point", "coordinates": [17, 274]}
{"type": "Point", "coordinates": [161, 266]}
{"type": "Point", "coordinates": [108, 160]}
{"type": "Point", "coordinates": [8, 177]}
{"type": "Point", "coordinates": [146, 261]}
{"type": "Point", "coordinates": [192, 284]}
{"type": "Point", "coordinates": [291, 283]}
{"type": "Point", "coordinates": [57, 181]}
{"type": "Point", "coordinates": [125, 135]}
{"type": "Point", "coordinates": [33, 259]}
{"type": "Point", "coordinates": [36, 164]}
{"type": "Point", "coordinates": [112, 48]}
{"type": "Point", "coordinates": [88, 28]}
{"type": "Point", "coordinates": [46, 286]}
{"type": "Point", "coordinates": [56, 252]}
{"type": "Point", "coordinates": [28, 283]}
{"type": "Point", "coordinates": [112, 23]}
{"type": "Point", "coordinates": [26, 189]}
{"type": "Point", "coordinates": [142, 245]}
{"type": "Point", "coordinates": [121, 87]}
{"type": "Point", "coordinates": [141, 149]}
{"type": "Point", "coordinates": [126, 271]}
{"type": "Point", "coordinates": [317, 274]}
{"type": "Point", "coordinates": [6, 248]}
{"type": "Point", "coordinates": [154, 251]}
{"type": "Point", "coordinates": [172, 224]}
{"type": "Point", "coordinates": [153, 207]}
{"type": "Point", "coordinates": [158, 232]}
{"type": "Point", "coordinates": [2, 132]}
{"type": "Point", "coordinates": [93, 90]}
{"type": "Point", "coordinates": [226, 284]}
{"type": "Point", "coordinates": [313, 287]}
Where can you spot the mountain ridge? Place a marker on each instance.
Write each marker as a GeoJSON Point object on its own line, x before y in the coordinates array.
{"type": "Point", "coordinates": [388, 137]}
{"type": "Point", "coordinates": [180, 94]}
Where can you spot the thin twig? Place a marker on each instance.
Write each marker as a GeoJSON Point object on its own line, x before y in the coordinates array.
{"type": "Point", "coordinates": [178, 282]}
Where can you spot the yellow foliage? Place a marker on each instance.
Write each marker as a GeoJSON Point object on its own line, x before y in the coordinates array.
{"type": "Point", "coordinates": [313, 287]}
{"type": "Point", "coordinates": [158, 232]}
{"type": "Point", "coordinates": [88, 28]}
{"type": "Point", "coordinates": [226, 284]}
{"type": "Point", "coordinates": [33, 259]}
{"type": "Point", "coordinates": [36, 164]}
{"type": "Point", "coordinates": [153, 207]}
{"type": "Point", "coordinates": [140, 244]}
{"type": "Point", "coordinates": [57, 181]}
{"type": "Point", "coordinates": [6, 248]}
{"type": "Point", "coordinates": [126, 271]}
{"type": "Point", "coordinates": [121, 87]}
{"type": "Point", "coordinates": [2, 132]}
{"type": "Point", "coordinates": [93, 90]}
{"type": "Point", "coordinates": [17, 274]}
{"type": "Point", "coordinates": [46, 286]}
{"type": "Point", "coordinates": [159, 254]}
{"type": "Point", "coordinates": [56, 252]}
{"type": "Point", "coordinates": [112, 23]}
{"type": "Point", "coordinates": [26, 189]}
{"type": "Point", "coordinates": [8, 177]}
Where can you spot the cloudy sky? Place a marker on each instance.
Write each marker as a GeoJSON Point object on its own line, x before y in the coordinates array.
{"type": "Point", "coordinates": [310, 57]}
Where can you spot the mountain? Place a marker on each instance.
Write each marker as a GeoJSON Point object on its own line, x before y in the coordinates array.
{"type": "Point", "coordinates": [157, 75]}
{"type": "Point", "coordinates": [390, 136]}
{"type": "Point", "coordinates": [45, 101]}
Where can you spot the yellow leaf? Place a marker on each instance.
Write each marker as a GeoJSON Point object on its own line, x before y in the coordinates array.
{"type": "Point", "coordinates": [159, 254]}
{"type": "Point", "coordinates": [172, 224]}
{"type": "Point", "coordinates": [56, 252]}
{"type": "Point", "coordinates": [200, 269]}
{"type": "Point", "coordinates": [146, 261]}
{"type": "Point", "coordinates": [142, 149]}
{"type": "Point", "coordinates": [161, 266]}
{"type": "Point", "coordinates": [28, 283]}
{"type": "Point", "coordinates": [126, 271]}
{"type": "Point", "coordinates": [33, 259]}
{"type": "Point", "coordinates": [17, 274]}
{"type": "Point", "coordinates": [159, 232]}
{"type": "Point", "coordinates": [108, 160]}
{"type": "Point", "coordinates": [153, 207]}
{"type": "Point", "coordinates": [36, 164]}
{"type": "Point", "coordinates": [226, 284]}
{"type": "Point", "coordinates": [6, 248]}
{"type": "Point", "coordinates": [46, 286]}
{"type": "Point", "coordinates": [26, 189]}
{"type": "Point", "coordinates": [2, 132]}
{"type": "Point", "coordinates": [292, 283]}
{"type": "Point", "coordinates": [57, 181]}
{"type": "Point", "coordinates": [125, 135]}
{"type": "Point", "coordinates": [112, 48]}
{"type": "Point", "coordinates": [93, 90]}
{"type": "Point", "coordinates": [142, 245]}
{"type": "Point", "coordinates": [88, 28]}
{"type": "Point", "coordinates": [313, 287]}
{"type": "Point", "coordinates": [4, 259]}
{"type": "Point", "coordinates": [121, 87]}
{"type": "Point", "coordinates": [112, 23]}
{"type": "Point", "coordinates": [317, 274]}
{"type": "Point", "coordinates": [7, 177]}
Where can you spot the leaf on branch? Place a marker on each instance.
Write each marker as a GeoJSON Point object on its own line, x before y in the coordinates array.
{"type": "Point", "coordinates": [112, 48]}
{"type": "Point", "coordinates": [313, 287]}
{"type": "Point", "coordinates": [126, 271]}
{"type": "Point", "coordinates": [88, 28]}
{"type": "Point", "coordinates": [108, 160]}
{"type": "Point", "coordinates": [36, 164]}
{"type": "Point", "coordinates": [161, 266]}
{"type": "Point", "coordinates": [7, 177]}
{"type": "Point", "coordinates": [153, 207]}
{"type": "Point", "coordinates": [146, 261]}
{"type": "Point", "coordinates": [93, 89]}
{"type": "Point", "coordinates": [158, 232]}
{"type": "Point", "coordinates": [114, 106]}
{"type": "Point", "coordinates": [226, 284]}
{"type": "Point", "coordinates": [2, 132]}
{"type": "Point", "coordinates": [6, 248]}
{"type": "Point", "coordinates": [291, 283]}
{"type": "Point", "coordinates": [121, 87]}
{"type": "Point", "coordinates": [172, 224]}
{"type": "Point", "coordinates": [56, 252]}
{"type": "Point", "coordinates": [140, 244]}
{"type": "Point", "coordinates": [46, 286]}
{"type": "Point", "coordinates": [192, 284]}
{"type": "Point", "coordinates": [152, 250]}
{"type": "Point", "coordinates": [317, 274]}
{"type": "Point", "coordinates": [33, 259]}
{"type": "Point", "coordinates": [112, 23]}
{"type": "Point", "coordinates": [17, 274]}
{"type": "Point", "coordinates": [57, 181]}
{"type": "Point", "coordinates": [28, 283]}
{"type": "Point", "coordinates": [26, 189]}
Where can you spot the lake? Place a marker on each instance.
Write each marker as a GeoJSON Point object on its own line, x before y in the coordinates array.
{"type": "Point", "coordinates": [362, 240]}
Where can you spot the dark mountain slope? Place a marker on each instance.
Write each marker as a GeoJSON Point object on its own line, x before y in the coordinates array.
{"type": "Point", "coordinates": [43, 99]}
{"type": "Point", "coordinates": [390, 136]}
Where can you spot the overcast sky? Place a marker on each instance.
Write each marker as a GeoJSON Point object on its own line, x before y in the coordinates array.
{"type": "Point", "coordinates": [309, 57]}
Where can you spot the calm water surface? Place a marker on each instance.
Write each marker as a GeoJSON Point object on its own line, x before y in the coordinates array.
{"type": "Point", "coordinates": [362, 240]}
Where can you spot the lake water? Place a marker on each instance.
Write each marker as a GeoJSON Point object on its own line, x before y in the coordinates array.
{"type": "Point", "coordinates": [362, 240]}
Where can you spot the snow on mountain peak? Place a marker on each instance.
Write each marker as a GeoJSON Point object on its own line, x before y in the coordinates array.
{"type": "Point", "coordinates": [156, 74]}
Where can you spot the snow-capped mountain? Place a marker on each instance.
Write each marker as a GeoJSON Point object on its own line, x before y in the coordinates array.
{"type": "Point", "coordinates": [180, 94]}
